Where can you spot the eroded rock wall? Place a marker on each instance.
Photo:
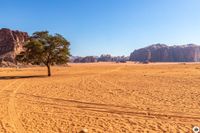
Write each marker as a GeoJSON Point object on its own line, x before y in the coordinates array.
{"type": "Point", "coordinates": [11, 43]}
{"type": "Point", "coordinates": [164, 53]}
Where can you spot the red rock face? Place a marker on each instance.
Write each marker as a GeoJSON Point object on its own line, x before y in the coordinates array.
{"type": "Point", "coordinates": [164, 53]}
{"type": "Point", "coordinates": [11, 43]}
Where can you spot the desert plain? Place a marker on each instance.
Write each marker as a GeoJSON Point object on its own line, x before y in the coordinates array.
{"type": "Point", "coordinates": [101, 97]}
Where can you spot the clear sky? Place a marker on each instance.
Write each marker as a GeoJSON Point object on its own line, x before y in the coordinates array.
{"type": "Point", "coordinates": [115, 27]}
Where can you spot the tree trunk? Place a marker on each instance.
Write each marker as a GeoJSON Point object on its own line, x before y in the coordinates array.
{"type": "Point", "coordinates": [49, 70]}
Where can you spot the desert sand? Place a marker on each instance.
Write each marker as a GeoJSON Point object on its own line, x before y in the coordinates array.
{"type": "Point", "coordinates": [101, 97]}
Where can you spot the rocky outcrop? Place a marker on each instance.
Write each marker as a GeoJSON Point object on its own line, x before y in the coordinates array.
{"type": "Point", "coordinates": [164, 53]}
{"type": "Point", "coordinates": [11, 44]}
{"type": "Point", "coordinates": [87, 59]}
{"type": "Point", "coordinates": [102, 58]}
{"type": "Point", "coordinates": [105, 58]}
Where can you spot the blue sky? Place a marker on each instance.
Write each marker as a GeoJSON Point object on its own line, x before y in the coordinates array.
{"type": "Point", "coordinates": [115, 27]}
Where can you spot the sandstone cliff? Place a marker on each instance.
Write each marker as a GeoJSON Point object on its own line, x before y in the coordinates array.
{"type": "Point", "coordinates": [11, 43]}
{"type": "Point", "coordinates": [164, 53]}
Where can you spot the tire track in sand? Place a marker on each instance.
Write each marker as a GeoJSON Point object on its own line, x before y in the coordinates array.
{"type": "Point", "coordinates": [7, 86]}
{"type": "Point", "coordinates": [1, 90]}
{"type": "Point", "coordinates": [12, 112]}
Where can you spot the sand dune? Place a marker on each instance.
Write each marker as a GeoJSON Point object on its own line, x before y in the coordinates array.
{"type": "Point", "coordinates": [101, 97]}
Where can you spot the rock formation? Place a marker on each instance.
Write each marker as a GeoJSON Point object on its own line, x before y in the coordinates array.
{"type": "Point", "coordinates": [87, 59]}
{"type": "Point", "coordinates": [105, 58]}
{"type": "Point", "coordinates": [11, 43]}
{"type": "Point", "coordinates": [102, 58]}
{"type": "Point", "coordinates": [119, 59]}
{"type": "Point", "coordinates": [164, 53]}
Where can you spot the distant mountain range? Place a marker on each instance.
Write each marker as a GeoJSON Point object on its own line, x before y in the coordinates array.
{"type": "Point", "coordinates": [11, 43]}
{"type": "Point", "coordinates": [152, 53]}
{"type": "Point", "coordinates": [102, 58]}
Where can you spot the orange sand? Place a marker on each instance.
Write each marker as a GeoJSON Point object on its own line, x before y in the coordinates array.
{"type": "Point", "coordinates": [101, 97]}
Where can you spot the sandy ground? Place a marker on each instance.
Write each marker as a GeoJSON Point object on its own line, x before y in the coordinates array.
{"type": "Point", "coordinates": [103, 98]}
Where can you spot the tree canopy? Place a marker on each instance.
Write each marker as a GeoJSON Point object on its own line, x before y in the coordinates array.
{"type": "Point", "coordinates": [47, 49]}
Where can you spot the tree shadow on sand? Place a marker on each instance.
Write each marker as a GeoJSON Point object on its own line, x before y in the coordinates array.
{"type": "Point", "coordinates": [21, 77]}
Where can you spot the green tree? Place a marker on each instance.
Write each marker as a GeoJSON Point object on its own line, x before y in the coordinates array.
{"type": "Point", "coordinates": [43, 48]}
